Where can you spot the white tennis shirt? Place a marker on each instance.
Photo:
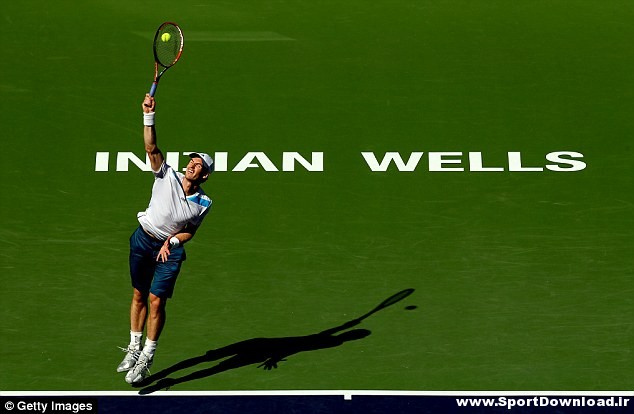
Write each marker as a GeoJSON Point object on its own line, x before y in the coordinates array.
{"type": "Point", "coordinates": [170, 209]}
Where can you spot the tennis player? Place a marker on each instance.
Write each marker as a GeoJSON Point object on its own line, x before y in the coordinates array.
{"type": "Point", "coordinates": [177, 208]}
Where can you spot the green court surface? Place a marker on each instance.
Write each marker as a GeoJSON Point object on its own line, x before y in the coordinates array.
{"type": "Point", "coordinates": [523, 279]}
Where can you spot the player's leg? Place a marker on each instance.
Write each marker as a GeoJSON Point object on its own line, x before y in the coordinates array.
{"type": "Point", "coordinates": [156, 320]}
{"type": "Point", "coordinates": [138, 310]}
{"type": "Point", "coordinates": [141, 272]}
{"type": "Point", "coordinates": [142, 268]}
{"type": "Point", "coordinates": [161, 290]}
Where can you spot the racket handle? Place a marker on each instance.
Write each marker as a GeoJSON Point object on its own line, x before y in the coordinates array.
{"type": "Point", "coordinates": [153, 88]}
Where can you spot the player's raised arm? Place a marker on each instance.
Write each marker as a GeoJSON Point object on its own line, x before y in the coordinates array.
{"type": "Point", "coordinates": [149, 133]}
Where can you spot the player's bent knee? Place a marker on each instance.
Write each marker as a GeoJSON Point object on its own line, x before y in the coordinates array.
{"type": "Point", "coordinates": [139, 296]}
{"type": "Point", "coordinates": [156, 302]}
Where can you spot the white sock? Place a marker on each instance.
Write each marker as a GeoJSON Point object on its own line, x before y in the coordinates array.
{"type": "Point", "coordinates": [149, 348]}
{"type": "Point", "coordinates": [135, 340]}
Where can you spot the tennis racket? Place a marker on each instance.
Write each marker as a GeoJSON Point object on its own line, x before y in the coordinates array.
{"type": "Point", "coordinates": [397, 297]}
{"type": "Point", "coordinates": [168, 47]}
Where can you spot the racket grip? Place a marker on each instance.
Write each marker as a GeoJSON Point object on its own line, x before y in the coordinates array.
{"type": "Point", "coordinates": [153, 88]}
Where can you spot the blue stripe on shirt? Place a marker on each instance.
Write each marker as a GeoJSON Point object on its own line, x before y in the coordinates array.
{"type": "Point", "coordinates": [199, 200]}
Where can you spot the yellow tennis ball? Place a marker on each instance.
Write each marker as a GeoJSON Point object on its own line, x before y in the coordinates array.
{"type": "Point", "coordinates": [166, 37]}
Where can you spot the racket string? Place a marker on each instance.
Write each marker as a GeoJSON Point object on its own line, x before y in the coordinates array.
{"type": "Point", "coordinates": [168, 51]}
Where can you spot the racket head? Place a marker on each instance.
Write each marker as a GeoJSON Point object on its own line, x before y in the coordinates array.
{"type": "Point", "coordinates": [397, 297]}
{"type": "Point", "coordinates": [167, 53]}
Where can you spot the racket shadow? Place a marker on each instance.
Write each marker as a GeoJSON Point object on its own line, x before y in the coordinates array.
{"type": "Point", "coordinates": [268, 352]}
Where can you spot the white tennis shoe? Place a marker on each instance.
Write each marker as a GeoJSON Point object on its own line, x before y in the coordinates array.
{"type": "Point", "coordinates": [130, 359]}
{"type": "Point", "coordinates": [140, 371]}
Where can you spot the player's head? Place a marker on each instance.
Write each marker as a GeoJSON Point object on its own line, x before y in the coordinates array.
{"type": "Point", "coordinates": [199, 167]}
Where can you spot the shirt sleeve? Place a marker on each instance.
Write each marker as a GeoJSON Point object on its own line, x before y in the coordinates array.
{"type": "Point", "coordinates": [162, 170]}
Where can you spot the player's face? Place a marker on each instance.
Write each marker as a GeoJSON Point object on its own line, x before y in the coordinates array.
{"type": "Point", "coordinates": [195, 170]}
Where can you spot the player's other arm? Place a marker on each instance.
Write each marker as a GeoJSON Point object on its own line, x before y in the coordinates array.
{"type": "Point", "coordinates": [149, 133]}
{"type": "Point", "coordinates": [187, 233]}
{"type": "Point", "coordinates": [183, 237]}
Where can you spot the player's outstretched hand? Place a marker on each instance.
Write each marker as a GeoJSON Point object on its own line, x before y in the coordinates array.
{"type": "Point", "coordinates": [149, 104]}
{"type": "Point", "coordinates": [270, 363]}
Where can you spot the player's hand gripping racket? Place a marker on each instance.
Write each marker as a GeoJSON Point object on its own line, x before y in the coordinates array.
{"type": "Point", "coordinates": [168, 47]}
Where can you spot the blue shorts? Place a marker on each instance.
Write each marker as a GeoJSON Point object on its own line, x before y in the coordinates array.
{"type": "Point", "coordinates": [148, 274]}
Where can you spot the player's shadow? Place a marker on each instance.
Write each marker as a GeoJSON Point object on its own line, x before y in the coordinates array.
{"type": "Point", "coordinates": [266, 351]}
